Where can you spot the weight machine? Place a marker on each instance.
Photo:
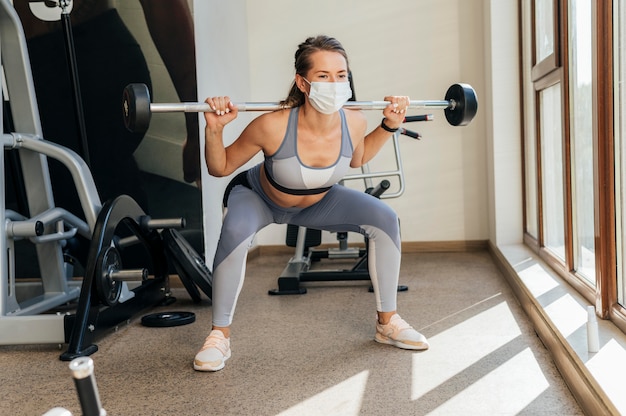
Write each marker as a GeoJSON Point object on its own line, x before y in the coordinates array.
{"type": "Point", "coordinates": [36, 311]}
{"type": "Point", "coordinates": [298, 268]}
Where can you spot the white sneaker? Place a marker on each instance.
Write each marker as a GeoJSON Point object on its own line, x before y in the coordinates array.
{"type": "Point", "coordinates": [214, 353]}
{"type": "Point", "coordinates": [400, 334]}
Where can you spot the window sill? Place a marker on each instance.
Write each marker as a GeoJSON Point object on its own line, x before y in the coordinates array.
{"type": "Point", "coordinates": [559, 316]}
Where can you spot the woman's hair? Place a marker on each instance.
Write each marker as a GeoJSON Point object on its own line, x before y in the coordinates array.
{"type": "Point", "coordinates": [303, 63]}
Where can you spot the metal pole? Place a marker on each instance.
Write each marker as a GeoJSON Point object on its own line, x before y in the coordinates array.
{"type": "Point", "coordinates": [269, 106]}
{"type": "Point", "coordinates": [73, 67]}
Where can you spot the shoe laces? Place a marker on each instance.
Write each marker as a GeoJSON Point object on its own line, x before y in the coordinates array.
{"type": "Point", "coordinates": [398, 323]}
{"type": "Point", "coordinates": [216, 341]}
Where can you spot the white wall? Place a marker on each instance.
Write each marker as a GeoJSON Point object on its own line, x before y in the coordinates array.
{"type": "Point", "coordinates": [503, 115]}
{"type": "Point", "coordinates": [223, 69]}
{"type": "Point", "coordinates": [413, 47]}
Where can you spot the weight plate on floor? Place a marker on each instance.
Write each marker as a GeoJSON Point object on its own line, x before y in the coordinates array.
{"type": "Point", "coordinates": [187, 261]}
{"type": "Point", "coordinates": [168, 319]}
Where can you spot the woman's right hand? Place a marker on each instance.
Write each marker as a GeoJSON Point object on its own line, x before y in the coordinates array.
{"type": "Point", "coordinates": [224, 111]}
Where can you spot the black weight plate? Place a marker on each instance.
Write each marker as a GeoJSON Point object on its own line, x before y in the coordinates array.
{"type": "Point", "coordinates": [188, 261]}
{"type": "Point", "coordinates": [136, 107]}
{"type": "Point", "coordinates": [471, 103]}
{"type": "Point", "coordinates": [191, 287]}
{"type": "Point", "coordinates": [108, 289]}
{"type": "Point", "coordinates": [168, 319]}
{"type": "Point", "coordinates": [466, 104]}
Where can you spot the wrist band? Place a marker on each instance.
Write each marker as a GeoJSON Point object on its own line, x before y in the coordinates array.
{"type": "Point", "coordinates": [387, 128]}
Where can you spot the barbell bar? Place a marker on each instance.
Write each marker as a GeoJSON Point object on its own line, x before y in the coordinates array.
{"type": "Point", "coordinates": [460, 106]}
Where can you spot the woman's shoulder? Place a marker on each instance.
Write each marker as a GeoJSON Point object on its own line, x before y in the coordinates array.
{"type": "Point", "coordinates": [356, 117]}
{"type": "Point", "coordinates": [272, 119]}
{"type": "Point", "coordinates": [270, 126]}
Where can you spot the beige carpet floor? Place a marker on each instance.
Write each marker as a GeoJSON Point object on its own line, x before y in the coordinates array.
{"type": "Point", "coordinates": [314, 354]}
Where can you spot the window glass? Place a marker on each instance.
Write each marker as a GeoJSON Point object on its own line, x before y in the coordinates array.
{"type": "Point", "coordinates": [581, 137]}
{"type": "Point", "coordinates": [530, 156]}
{"type": "Point", "coordinates": [552, 169]}
{"type": "Point", "coordinates": [544, 29]}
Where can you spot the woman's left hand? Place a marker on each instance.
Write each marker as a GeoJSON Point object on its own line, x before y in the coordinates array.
{"type": "Point", "coordinates": [396, 110]}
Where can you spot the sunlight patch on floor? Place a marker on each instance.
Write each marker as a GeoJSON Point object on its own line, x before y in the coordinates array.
{"type": "Point", "coordinates": [507, 390]}
{"type": "Point", "coordinates": [459, 347]}
{"type": "Point", "coordinates": [345, 399]}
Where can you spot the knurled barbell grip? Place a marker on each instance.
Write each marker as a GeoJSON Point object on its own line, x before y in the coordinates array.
{"type": "Point", "coordinates": [260, 106]}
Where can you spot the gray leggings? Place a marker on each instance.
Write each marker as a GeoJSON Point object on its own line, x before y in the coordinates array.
{"type": "Point", "coordinates": [341, 209]}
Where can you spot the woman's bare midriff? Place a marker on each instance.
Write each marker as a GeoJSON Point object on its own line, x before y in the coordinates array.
{"type": "Point", "coordinates": [286, 200]}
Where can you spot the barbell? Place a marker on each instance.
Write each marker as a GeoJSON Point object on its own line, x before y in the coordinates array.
{"type": "Point", "coordinates": [460, 106]}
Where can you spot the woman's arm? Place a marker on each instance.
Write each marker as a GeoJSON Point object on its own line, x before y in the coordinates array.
{"type": "Point", "coordinates": [372, 143]}
{"type": "Point", "coordinates": [221, 160]}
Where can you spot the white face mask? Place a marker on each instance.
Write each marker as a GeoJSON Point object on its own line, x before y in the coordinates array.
{"type": "Point", "coordinates": [329, 97]}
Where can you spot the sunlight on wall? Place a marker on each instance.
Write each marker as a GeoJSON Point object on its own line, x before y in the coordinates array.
{"type": "Point", "coordinates": [343, 399]}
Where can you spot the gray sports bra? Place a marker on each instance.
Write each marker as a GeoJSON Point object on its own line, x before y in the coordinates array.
{"type": "Point", "coordinates": [286, 172]}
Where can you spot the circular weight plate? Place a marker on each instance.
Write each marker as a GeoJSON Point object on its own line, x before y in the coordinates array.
{"type": "Point", "coordinates": [167, 319]}
{"type": "Point", "coordinates": [401, 288]}
{"type": "Point", "coordinates": [471, 104]}
{"type": "Point", "coordinates": [136, 107]}
{"type": "Point", "coordinates": [108, 289]}
{"type": "Point", "coordinates": [187, 261]}
{"type": "Point", "coordinates": [466, 104]}
{"type": "Point", "coordinates": [189, 285]}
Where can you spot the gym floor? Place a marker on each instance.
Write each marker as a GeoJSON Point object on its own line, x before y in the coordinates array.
{"type": "Point", "coordinates": [314, 354]}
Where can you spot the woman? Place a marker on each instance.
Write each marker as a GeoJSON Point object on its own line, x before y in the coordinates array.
{"type": "Point", "coordinates": [308, 148]}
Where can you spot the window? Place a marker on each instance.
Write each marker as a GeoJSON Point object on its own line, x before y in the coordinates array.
{"type": "Point", "coordinates": [581, 137]}
{"type": "Point", "coordinates": [575, 145]}
{"type": "Point", "coordinates": [545, 45]}
{"type": "Point", "coordinates": [620, 144]}
{"type": "Point", "coordinates": [544, 29]}
{"type": "Point", "coordinates": [552, 169]}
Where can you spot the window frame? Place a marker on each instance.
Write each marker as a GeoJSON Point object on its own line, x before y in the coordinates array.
{"type": "Point", "coordinates": [555, 69]}
{"type": "Point", "coordinates": [551, 62]}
